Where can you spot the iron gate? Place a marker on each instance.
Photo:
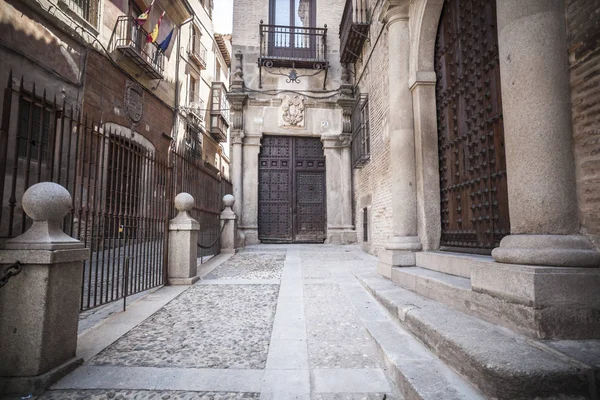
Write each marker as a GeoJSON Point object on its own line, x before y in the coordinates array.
{"type": "Point", "coordinates": [122, 192]}
{"type": "Point", "coordinates": [291, 190]}
{"type": "Point", "coordinates": [474, 198]}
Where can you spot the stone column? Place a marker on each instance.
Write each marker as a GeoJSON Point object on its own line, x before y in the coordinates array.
{"type": "Point", "coordinates": [183, 243]}
{"type": "Point", "coordinates": [229, 242]}
{"type": "Point", "coordinates": [405, 241]}
{"type": "Point", "coordinates": [250, 189]}
{"type": "Point", "coordinates": [339, 192]}
{"type": "Point", "coordinates": [39, 307]}
{"type": "Point", "coordinates": [237, 176]}
{"type": "Point", "coordinates": [537, 129]}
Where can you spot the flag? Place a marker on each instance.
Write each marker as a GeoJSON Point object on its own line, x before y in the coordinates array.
{"type": "Point", "coordinates": [141, 20]}
{"type": "Point", "coordinates": [151, 38]}
{"type": "Point", "coordinates": [164, 45]}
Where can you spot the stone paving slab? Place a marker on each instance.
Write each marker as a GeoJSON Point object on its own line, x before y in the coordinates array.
{"type": "Point", "coordinates": [208, 326]}
{"type": "Point", "coordinates": [252, 265]}
{"type": "Point", "coordinates": [143, 395]}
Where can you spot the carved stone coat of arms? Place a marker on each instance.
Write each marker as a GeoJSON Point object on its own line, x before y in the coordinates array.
{"type": "Point", "coordinates": [292, 109]}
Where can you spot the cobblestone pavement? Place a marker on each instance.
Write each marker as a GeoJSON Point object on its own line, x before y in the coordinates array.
{"type": "Point", "coordinates": [273, 322]}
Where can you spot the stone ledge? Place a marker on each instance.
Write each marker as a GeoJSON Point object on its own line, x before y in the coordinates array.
{"type": "Point", "coordinates": [38, 257]}
{"type": "Point", "coordinates": [501, 364]}
{"type": "Point", "coordinates": [25, 385]}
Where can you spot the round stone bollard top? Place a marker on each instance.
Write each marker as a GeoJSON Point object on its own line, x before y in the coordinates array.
{"type": "Point", "coordinates": [184, 202]}
{"type": "Point", "coordinates": [46, 201]}
{"type": "Point", "coordinates": [228, 200]}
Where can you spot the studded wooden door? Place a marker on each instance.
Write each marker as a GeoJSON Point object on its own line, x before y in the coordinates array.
{"type": "Point", "coordinates": [291, 192]}
{"type": "Point", "coordinates": [474, 198]}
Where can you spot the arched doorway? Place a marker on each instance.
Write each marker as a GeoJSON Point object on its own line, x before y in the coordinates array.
{"type": "Point", "coordinates": [474, 198]}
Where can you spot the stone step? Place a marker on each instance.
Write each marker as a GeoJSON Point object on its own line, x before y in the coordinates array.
{"type": "Point", "coordinates": [455, 292]}
{"type": "Point", "coordinates": [500, 363]}
{"type": "Point", "coordinates": [458, 264]}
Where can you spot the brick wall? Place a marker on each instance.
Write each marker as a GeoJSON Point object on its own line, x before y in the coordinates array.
{"type": "Point", "coordinates": [372, 183]}
{"type": "Point", "coordinates": [583, 35]}
{"type": "Point", "coordinates": [103, 100]}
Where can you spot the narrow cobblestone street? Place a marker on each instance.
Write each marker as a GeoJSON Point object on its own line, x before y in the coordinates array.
{"type": "Point", "coordinates": [271, 322]}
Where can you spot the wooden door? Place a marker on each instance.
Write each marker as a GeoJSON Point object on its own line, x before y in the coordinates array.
{"type": "Point", "coordinates": [474, 198]}
{"type": "Point", "coordinates": [291, 192]}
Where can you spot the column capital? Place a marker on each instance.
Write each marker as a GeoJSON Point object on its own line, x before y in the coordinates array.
{"type": "Point", "coordinates": [393, 11]}
{"type": "Point", "coordinates": [237, 137]}
{"type": "Point", "coordinates": [253, 140]}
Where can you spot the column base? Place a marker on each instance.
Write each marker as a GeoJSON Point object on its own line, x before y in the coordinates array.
{"type": "Point", "coordinates": [183, 281]}
{"type": "Point", "coordinates": [26, 385]}
{"type": "Point", "coordinates": [547, 250]}
{"type": "Point", "coordinates": [399, 252]}
{"type": "Point", "coordinates": [341, 236]}
{"type": "Point", "coordinates": [250, 235]}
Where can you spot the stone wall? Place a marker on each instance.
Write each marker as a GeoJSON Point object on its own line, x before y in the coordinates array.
{"type": "Point", "coordinates": [583, 35]}
{"type": "Point", "coordinates": [103, 100]}
{"type": "Point", "coordinates": [372, 183]}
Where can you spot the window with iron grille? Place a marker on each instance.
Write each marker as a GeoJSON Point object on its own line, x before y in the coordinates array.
{"type": "Point", "coordinates": [84, 9]}
{"type": "Point", "coordinates": [365, 225]}
{"type": "Point", "coordinates": [35, 130]}
{"type": "Point", "coordinates": [193, 144]}
{"type": "Point", "coordinates": [361, 135]}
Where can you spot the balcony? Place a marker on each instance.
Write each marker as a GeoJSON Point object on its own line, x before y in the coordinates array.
{"type": "Point", "coordinates": [197, 53]}
{"type": "Point", "coordinates": [219, 112]}
{"type": "Point", "coordinates": [354, 30]}
{"type": "Point", "coordinates": [196, 108]}
{"type": "Point", "coordinates": [289, 46]}
{"type": "Point", "coordinates": [130, 40]}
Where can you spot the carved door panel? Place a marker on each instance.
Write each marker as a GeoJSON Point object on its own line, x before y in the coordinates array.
{"type": "Point", "coordinates": [474, 198]}
{"type": "Point", "coordinates": [291, 201]}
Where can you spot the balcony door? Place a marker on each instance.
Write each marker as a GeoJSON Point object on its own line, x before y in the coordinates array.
{"type": "Point", "coordinates": [291, 37]}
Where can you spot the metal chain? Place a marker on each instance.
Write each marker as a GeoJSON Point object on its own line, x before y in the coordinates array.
{"type": "Point", "coordinates": [215, 241]}
{"type": "Point", "coordinates": [11, 271]}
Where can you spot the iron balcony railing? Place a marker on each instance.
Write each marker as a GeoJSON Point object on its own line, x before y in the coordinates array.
{"type": "Point", "coordinates": [354, 29]}
{"type": "Point", "coordinates": [290, 46]}
{"type": "Point", "coordinates": [84, 9]}
{"type": "Point", "coordinates": [130, 39]}
{"type": "Point", "coordinates": [196, 105]}
{"type": "Point", "coordinates": [219, 112]}
{"type": "Point", "coordinates": [197, 52]}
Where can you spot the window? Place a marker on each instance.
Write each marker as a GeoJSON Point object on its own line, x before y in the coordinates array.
{"type": "Point", "coordinates": [193, 144]}
{"type": "Point", "coordinates": [365, 225]}
{"type": "Point", "coordinates": [361, 136]}
{"type": "Point", "coordinates": [193, 95]}
{"type": "Point", "coordinates": [35, 129]}
{"type": "Point", "coordinates": [84, 9]}
{"type": "Point", "coordinates": [296, 13]}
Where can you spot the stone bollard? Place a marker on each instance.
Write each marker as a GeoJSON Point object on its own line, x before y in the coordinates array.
{"type": "Point", "coordinates": [229, 241]}
{"type": "Point", "coordinates": [39, 307]}
{"type": "Point", "coordinates": [183, 243]}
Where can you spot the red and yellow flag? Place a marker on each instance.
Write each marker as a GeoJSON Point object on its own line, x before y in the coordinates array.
{"type": "Point", "coordinates": [152, 36]}
{"type": "Point", "coordinates": [141, 20]}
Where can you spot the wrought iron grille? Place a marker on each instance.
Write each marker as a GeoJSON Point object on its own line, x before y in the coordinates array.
{"type": "Point", "coordinates": [197, 51]}
{"type": "Point", "coordinates": [361, 134]}
{"type": "Point", "coordinates": [122, 192]}
{"type": "Point", "coordinates": [85, 9]}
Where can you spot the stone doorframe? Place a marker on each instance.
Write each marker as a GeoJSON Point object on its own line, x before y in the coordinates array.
{"type": "Point", "coordinates": [540, 166]}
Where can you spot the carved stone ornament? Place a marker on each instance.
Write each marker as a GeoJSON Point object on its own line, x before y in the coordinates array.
{"type": "Point", "coordinates": [134, 101]}
{"type": "Point", "coordinates": [292, 109]}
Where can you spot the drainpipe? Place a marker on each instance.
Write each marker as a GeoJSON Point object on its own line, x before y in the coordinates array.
{"type": "Point", "coordinates": [176, 110]}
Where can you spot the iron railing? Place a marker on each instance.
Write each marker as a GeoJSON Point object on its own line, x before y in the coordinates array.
{"type": "Point", "coordinates": [285, 46]}
{"type": "Point", "coordinates": [84, 9]}
{"type": "Point", "coordinates": [196, 105]}
{"type": "Point", "coordinates": [197, 52]}
{"type": "Point", "coordinates": [130, 39]}
{"type": "Point", "coordinates": [122, 192]}
{"type": "Point", "coordinates": [354, 29]}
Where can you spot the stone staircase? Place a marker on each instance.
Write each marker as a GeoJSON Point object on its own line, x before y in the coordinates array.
{"type": "Point", "coordinates": [488, 341]}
